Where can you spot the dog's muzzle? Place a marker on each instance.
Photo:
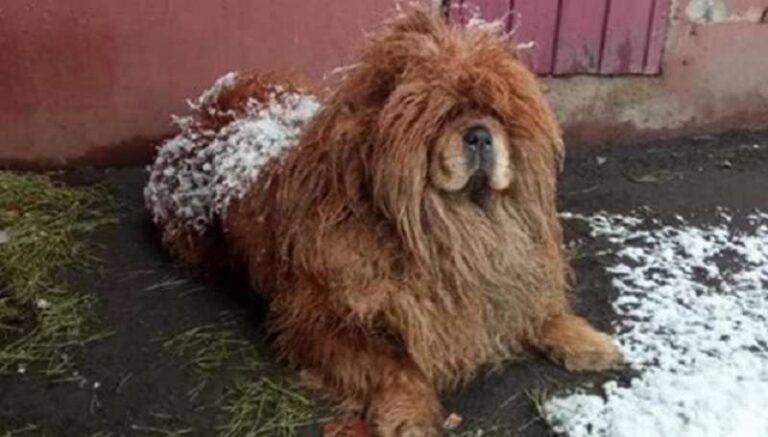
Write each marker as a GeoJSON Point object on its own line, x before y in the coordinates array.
{"type": "Point", "coordinates": [478, 150]}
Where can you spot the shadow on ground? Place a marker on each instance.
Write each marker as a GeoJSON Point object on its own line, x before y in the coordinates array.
{"type": "Point", "coordinates": [137, 381]}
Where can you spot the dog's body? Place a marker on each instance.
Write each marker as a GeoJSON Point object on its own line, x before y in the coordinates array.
{"type": "Point", "coordinates": [411, 235]}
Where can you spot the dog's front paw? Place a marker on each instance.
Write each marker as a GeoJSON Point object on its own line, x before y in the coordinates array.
{"type": "Point", "coordinates": [408, 429]}
{"type": "Point", "coordinates": [595, 352]}
{"type": "Point", "coordinates": [407, 422]}
{"type": "Point", "coordinates": [406, 410]}
{"type": "Point", "coordinates": [571, 341]}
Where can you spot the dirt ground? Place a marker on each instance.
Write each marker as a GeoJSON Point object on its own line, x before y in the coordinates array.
{"type": "Point", "coordinates": [131, 382]}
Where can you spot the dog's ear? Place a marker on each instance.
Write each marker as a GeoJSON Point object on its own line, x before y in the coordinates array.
{"type": "Point", "coordinates": [350, 114]}
{"type": "Point", "coordinates": [413, 34]}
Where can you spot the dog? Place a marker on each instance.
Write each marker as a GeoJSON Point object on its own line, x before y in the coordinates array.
{"type": "Point", "coordinates": [402, 227]}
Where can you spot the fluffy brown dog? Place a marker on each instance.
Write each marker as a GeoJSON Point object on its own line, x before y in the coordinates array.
{"type": "Point", "coordinates": [411, 234]}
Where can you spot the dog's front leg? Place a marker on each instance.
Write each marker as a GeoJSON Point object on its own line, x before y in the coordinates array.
{"type": "Point", "coordinates": [355, 364]}
{"type": "Point", "coordinates": [404, 404]}
{"type": "Point", "coordinates": [577, 345]}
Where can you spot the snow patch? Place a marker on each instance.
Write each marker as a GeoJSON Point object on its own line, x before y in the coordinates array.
{"type": "Point", "coordinates": [693, 311]}
{"type": "Point", "coordinates": [198, 173]}
{"type": "Point", "coordinates": [209, 96]}
{"type": "Point", "coordinates": [476, 20]}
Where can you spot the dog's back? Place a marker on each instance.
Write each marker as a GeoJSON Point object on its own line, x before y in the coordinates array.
{"type": "Point", "coordinates": [235, 129]}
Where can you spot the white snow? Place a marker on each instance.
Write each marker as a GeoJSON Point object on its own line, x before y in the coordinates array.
{"type": "Point", "coordinates": [496, 25]}
{"type": "Point", "coordinates": [209, 96]}
{"type": "Point", "coordinates": [42, 304]}
{"type": "Point", "coordinates": [499, 25]}
{"type": "Point", "coordinates": [197, 173]}
{"type": "Point", "coordinates": [694, 326]}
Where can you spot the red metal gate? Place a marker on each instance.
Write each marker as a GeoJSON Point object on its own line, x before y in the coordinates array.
{"type": "Point", "coordinates": [580, 36]}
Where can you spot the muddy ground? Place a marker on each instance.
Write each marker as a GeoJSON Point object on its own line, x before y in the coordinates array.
{"type": "Point", "coordinates": [130, 383]}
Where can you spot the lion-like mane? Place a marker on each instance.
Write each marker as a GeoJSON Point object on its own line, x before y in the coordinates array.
{"type": "Point", "coordinates": [394, 267]}
{"type": "Point", "coordinates": [453, 280]}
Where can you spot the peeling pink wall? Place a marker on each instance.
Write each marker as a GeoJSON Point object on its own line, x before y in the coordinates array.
{"type": "Point", "coordinates": [96, 80]}
{"type": "Point", "coordinates": [714, 78]}
{"type": "Point", "coordinates": [584, 36]}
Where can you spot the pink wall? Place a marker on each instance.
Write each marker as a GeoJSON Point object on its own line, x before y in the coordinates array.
{"type": "Point", "coordinates": [584, 36]}
{"type": "Point", "coordinates": [714, 77]}
{"type": "Point", "coordinates": [97, 80]}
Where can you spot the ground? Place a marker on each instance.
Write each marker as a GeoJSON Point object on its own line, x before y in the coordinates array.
{"type": "Point", "coordinates": [185, 354]}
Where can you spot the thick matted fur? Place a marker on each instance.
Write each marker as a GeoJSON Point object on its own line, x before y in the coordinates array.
{"type": "Point", "coordinates": [392, 271]}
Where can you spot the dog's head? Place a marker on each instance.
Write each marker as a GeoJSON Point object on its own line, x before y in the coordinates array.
{"type": "Point", "coordinates": [455, 110]}
{"type": "Point", "coordinates": [434, 121]}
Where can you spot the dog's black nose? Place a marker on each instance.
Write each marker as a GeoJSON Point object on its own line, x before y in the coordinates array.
{"type": "Point", "coordinates": [478, 146]}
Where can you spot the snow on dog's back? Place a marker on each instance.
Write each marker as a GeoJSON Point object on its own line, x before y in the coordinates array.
{"type": "Point", "coordinates": [236, 127]}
